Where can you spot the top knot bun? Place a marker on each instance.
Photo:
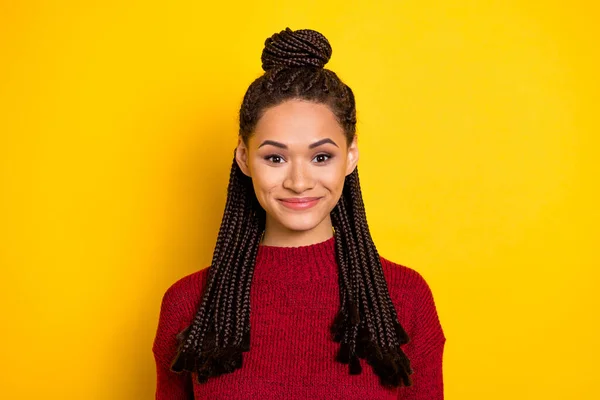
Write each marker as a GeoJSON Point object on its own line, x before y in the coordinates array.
{"type": "Point", "coordinates": [300, 48]}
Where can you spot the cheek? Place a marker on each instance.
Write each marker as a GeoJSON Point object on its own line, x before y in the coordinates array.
{"type": "Point", "coordinates": [333, 178]}
{"type": "Point", "coordinates": [264, 180]}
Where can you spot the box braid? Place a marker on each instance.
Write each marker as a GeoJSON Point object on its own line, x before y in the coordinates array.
{"type": "Point", "coordinates": [366, 325]}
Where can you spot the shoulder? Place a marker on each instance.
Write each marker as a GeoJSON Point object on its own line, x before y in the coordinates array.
{"type": "Point", "coordinates": [183, 295]}
{"type": "Point", "coordinates": [177, 310]}
{"type": "Point", "coordinates": [404, 281]}
{"type": "Point", "coordinates": [413, 299]}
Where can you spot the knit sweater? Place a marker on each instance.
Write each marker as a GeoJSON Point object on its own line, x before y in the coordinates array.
{"type": "Point", "coordinates": [294, 297]}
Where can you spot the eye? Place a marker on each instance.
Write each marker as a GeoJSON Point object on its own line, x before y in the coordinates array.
{"type": "Point", "coordinates": [277, 159]}
{"type": "Point", "coordinates": [274, 156]}
{"type": "Point", "coordinates": [328, 156]}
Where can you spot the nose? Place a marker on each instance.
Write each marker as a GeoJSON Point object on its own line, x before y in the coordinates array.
{"type": "Point", "coordinates": [298, 178]}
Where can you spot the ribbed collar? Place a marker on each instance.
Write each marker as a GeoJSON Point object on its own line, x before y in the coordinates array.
{"type": "Point", "coordinates": [301, 263]}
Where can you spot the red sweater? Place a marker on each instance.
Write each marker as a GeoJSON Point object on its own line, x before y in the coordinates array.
{"type": "Point", "coordinates": [294, 297]}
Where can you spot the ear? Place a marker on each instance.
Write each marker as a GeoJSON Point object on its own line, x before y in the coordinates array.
{"type": "Point", "coordinates": [241, 157]}
{"type": "Point", "coordinates": [353, 156]}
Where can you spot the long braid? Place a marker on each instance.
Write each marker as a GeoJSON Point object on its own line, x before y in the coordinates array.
{"type": "Point", "coordinates": [237, 225]}
{"type": "Point", "coordinates": [208, 328]}
{"type": "Point", "coordinates": [233, 283]}
{"type": "Point", "coordinates": [243, 302]}
{"type": "Point", "coordinates": [394, 368]}
{"type": "Point", "coordinates": [390, 312]}
{"type": "Point", "coordinates": [366, 325]}
{"type": "Point", "coordinates": [347, 260]}
{"type": "Point", "coordinates": [224, 319]}
{"type": "Point", "coordinates": [190, 337]}
{"type": "Point", "coordinates": [199, 351]}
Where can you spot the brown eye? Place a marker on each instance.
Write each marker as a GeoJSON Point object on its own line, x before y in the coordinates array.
{"type": "Point", "coordinates": [320, 156]}
{"type": "Point", "coordinates": [273, 157]}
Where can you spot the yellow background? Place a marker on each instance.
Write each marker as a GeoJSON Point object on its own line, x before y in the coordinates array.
{"type": "Point", "coordinates": [478, 131]}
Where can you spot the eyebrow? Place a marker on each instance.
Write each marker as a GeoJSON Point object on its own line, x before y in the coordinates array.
{"type": "Point", "coordinates": [310, 146]}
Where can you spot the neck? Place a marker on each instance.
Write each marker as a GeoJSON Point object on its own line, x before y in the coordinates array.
{"type": "Point", "coordinates": [280, 236]}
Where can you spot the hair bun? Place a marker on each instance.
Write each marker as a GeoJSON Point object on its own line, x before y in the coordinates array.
{"type": "Point", "coordinates": [300, 48]}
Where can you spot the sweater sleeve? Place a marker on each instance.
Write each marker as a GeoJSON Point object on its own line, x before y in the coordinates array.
{"type": "Point", "coordinates": [426, 346]}
{"type": "Point", "coordinates": [172, 386]}
{"type": "Point", "coordinates": [176, 312]}
{"type": "Point", "coordinates": [413, 300]}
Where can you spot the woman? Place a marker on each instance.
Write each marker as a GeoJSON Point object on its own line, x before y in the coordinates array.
{"type": "Point", "coordinates": [295, 248]}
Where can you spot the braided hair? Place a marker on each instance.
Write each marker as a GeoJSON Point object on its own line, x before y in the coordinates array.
{"type": "Point", "coordinates": [366, 325]}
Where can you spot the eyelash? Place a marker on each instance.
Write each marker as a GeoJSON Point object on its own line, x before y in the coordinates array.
{"type": "Point", "coordinates": [329, 157]}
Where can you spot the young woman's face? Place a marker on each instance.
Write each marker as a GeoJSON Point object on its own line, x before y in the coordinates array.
{"type": "Point", "coordinates": [297, 151]}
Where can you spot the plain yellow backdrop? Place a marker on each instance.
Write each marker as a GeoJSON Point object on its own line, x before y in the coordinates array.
{"type": "Point", "coordinates": [478, 125]}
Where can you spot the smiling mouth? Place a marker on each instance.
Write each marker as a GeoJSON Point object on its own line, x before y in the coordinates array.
{"type": "Point", "coordinates": [300, 199]}
{"type": "Point", "coordinates": [300, 203]}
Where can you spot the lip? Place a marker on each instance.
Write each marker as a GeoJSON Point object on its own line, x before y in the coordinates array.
{"type": "Point", "coordinates": [300, 203]}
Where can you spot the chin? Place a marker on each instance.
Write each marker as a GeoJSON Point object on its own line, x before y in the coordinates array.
{"type": "Point", "coordinates": [299, 225]}
{"type": "Point", "coordinates": [299, 222]}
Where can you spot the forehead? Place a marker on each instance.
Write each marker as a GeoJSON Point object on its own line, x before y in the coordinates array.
{"type": "Point", "coordinates": [298, 121]}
